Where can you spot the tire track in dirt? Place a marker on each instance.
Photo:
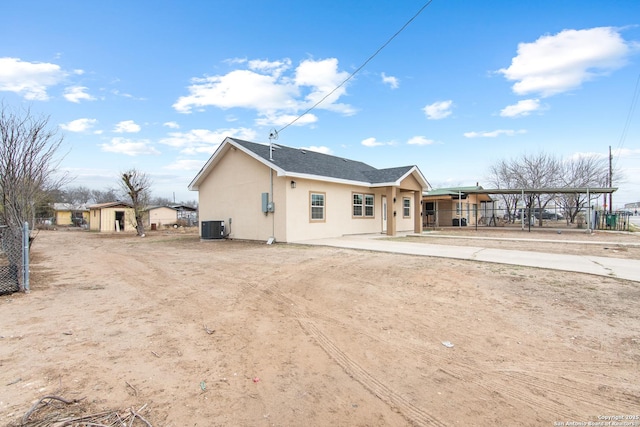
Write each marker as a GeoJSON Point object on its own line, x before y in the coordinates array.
{"type": "Point", "coordinates": [414, 414]}
{"type": "Point", "coordinates": [538, 394]}
{"type": "Point", "coordinates": [549, 386]}
{"type": "Point", "coordinates": [392, 398]}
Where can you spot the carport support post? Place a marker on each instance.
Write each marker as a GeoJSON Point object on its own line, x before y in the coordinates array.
{"type": "Point", "coordinates": [522, 214]}
{"type": "Point", "coordinates": [588, 212]}
{"type": "Point", "coordinates": [459, 204]}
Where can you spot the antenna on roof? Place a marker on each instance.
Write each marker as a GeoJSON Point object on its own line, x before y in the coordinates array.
{"type": "Point", "coordinates": [273, 134]}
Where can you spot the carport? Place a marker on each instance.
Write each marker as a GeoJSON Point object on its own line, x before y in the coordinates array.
{"type": "Point", "coordinates": [527, 193]}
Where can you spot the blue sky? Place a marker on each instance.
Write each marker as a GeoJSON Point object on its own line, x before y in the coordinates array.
{"type": "Point", "coordinates": [157, 85]}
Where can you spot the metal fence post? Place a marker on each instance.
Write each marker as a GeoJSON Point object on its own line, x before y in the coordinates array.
{"type": "Point", "coordinates": [25, 256]}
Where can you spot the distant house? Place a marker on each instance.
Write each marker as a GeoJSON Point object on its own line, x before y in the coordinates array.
{"type": "Point", "coordinates": [187, 215]}
{"type": "Point", "coordinates": [156, 217]}
{"type": "Point", "coordinates": [112, 216]}
{"type": "Point", "coordinates": [289, 194]}
{"type": "Point", "coordinates": [454, 206]}
{"type": "Point", "coordinates": [68, 214]}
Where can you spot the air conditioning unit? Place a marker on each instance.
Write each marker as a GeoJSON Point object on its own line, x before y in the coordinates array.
{"type": "Point", "coordinates": [212, 230]}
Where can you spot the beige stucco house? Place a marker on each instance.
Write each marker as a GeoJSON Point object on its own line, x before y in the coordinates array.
{"type": "Point", "coordinates": [112, 216]}
{"type": "Point", "coordinates": [455, 206]}
{"type": "Point", "coordinates": [272, 191]}
{"type": "Point", "coordinates": [157, 217]}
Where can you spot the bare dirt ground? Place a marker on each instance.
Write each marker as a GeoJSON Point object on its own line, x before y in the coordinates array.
{"type": "Point", "coordinates": [246, 334]}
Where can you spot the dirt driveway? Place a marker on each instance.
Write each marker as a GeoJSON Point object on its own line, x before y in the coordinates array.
{"type": "Point", "coordinates": [245, 334]}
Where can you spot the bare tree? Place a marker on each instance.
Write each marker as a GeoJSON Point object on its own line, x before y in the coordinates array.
{"type": "Point", "coordinates": [529, 171]}
{"type": "Point", "coordinates": [582, 171]}
{"type": "Point", "coordinates": [500, 177]}
{"type": "Point", "coordinates": [535, 171]}
{"type": "Point", "coordinates": [136, 186]}
{"type": "Point", "coordinates": [28, 164]}
{"type": "Point", "coordinates": [108, 195]}
{"type": "Point", "coordinates": [77, 195]}
{"type": "Point", "coordinates": [28, 169]}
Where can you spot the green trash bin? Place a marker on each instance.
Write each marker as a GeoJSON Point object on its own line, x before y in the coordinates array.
{"type": "Point", "coordinates": [611, 220]}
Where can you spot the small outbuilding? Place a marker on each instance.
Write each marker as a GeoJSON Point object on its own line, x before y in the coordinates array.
{"type": "Point", "coordinates": [157, 217]}
{"type": "Point", "coordinates": [112, 216]}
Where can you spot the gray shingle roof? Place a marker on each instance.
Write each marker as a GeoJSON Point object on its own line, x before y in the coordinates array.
{"type": "Point", "coordinates": [302, 161]}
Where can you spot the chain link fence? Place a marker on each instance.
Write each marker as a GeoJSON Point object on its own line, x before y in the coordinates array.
{"type": "Point", "coordinates": [14, 259]}
{"type": "Point", "coordinates": [485, 216]}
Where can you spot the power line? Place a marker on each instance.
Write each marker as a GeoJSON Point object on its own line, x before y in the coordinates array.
{"type": "Point", "coordinates": [632, 107]}
{"type": "Point", "coordinates": [355, 72]}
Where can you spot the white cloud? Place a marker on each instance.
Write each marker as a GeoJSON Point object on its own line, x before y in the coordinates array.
{"type": "Point", "coordinates": [172, 125]}
{"type": "Point", "coordinates": [79, 125]}
{"type": "Point", "coordinates": [438, 110]}
{"type": "Point", "coordinates": [274, 89]}
{"type": "Point", "coordinates": [522, 108]}
{"type": "Point", "coordinates": [323, 77]}
{"type": "Point", "coordinates": [77, 93]}
{"type": "Point", "coordinates": [372, 142]}
{"type": "Point", "coordinates": [29, 79]}
{"type": "Point", "coordinates": [126, 95]}
{"type": "Point", "coordinates": [319, 149]}
{"type": "Point", "coordinates": [393, 82]}
{"type": "Point", "coordinates": [275, 68]}
{"type": "Point", "coordinates": [494, 133]}
{"type": "Point", "coordinates": [126, 126]}
{"type": "Point", "coordinates": [206, 141]}
{"type": "Point", "coordinates": [420, 140]}
{"type": "Point", "coordinates": [129, 147]}
{"type": "Point", "coordinates": [186, 165]}
{"type": "Point", "coordinates": [239, 88]}
{"type": "Point", "coordinates": [557, 63]}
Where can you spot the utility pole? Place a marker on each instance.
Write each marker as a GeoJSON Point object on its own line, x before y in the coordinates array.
{"type": "Point", "coordinates": [610, 179]}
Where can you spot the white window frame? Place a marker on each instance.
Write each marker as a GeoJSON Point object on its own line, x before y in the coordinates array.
{"type": "Point", "coordinates": [406, 207]}
{"type": "Point", "coordinates": [367, 205]}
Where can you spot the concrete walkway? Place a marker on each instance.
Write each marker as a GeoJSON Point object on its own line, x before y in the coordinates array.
{"type": "Point", "coordinates": [601, 266]}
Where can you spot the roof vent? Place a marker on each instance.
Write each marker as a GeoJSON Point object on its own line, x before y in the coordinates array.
{"type": "Point", "coordinates": [303, 152]}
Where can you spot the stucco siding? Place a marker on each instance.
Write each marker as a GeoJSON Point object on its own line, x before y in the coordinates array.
{"type": "Point", "coordinates": [233, 190]}
{"type": "Point", "coordinates": [339, 218]}
{"type": "Point", "coordinates": [405, 223]}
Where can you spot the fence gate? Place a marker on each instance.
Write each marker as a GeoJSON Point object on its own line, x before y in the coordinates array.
{"type": "Point", "coordinates": [14, 259]}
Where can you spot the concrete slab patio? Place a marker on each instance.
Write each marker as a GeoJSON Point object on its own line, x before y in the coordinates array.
{"type": "Point", "coordinates": [602, 266]}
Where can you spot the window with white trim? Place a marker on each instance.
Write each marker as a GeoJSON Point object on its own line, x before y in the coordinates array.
{"type": "Point", "coordinates": [317, 206]}
{"type": "Point", "coordinates": [406, 207]}
{"type": "Point", "coordinates": [363, 205]}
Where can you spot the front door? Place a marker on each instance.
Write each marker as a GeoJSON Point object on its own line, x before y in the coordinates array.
{"type": "Point", "coordinates": [384, 214]}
